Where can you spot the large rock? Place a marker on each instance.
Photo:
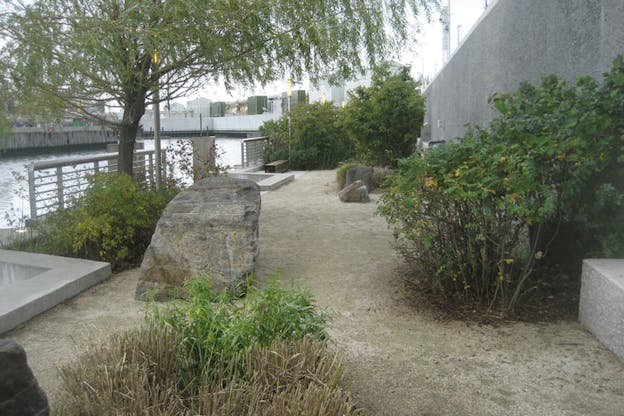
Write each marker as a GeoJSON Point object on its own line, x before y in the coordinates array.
{"type": "Point", "coordinates": [20, 394]}
{"type": "Point", "coordinates": [210, 229]}
{"type": "Point", "coordinates": [360, 173]}
{"type": "Point", "coordinates": [356, 192]}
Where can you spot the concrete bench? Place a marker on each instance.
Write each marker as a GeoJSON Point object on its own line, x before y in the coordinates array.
{"type": "Point", "coordinates": [601, 308]}
{"type": "Point", "coordinates": [278, 166]}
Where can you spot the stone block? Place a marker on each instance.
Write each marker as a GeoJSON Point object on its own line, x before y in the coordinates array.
{"type": "Point", "coordinates": [601, 308]}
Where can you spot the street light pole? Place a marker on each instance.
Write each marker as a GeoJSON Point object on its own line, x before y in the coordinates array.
{"type": "Point", "coordinates": [156, 110]}
{"type": "Point", "coordinates": [289, 95]}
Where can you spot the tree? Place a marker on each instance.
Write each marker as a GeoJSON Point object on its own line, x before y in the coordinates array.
{"type": "Point", "coordinates": [74, 55]}
{"type": "Point", "coordinates": [315, 140]}
{"type": "Point", "coordinates": [384, 120]}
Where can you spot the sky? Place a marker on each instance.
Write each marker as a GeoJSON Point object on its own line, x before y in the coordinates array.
{"type": "Point", "coordinates": [425, 57]}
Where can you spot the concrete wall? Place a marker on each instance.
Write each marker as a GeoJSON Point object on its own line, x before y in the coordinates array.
{"type": "Point", "coordinates": [516, 41]}
{"type": "Point", "coordinates": [212, 124]}
{"type": "Point", "coordinates": [35, 138]}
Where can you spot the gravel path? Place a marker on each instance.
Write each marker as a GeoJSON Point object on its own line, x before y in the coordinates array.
{"type": "Point", "coordinates": [399, 361]}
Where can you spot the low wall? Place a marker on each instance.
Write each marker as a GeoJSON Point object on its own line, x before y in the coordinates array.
{"type": "Point", "coordinates": [519, 41]}
{"type": "Point", "coordinates": [39, 138]}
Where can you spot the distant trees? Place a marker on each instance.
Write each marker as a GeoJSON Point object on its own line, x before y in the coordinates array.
{"type": "Point", "coordinates": [74, 56]}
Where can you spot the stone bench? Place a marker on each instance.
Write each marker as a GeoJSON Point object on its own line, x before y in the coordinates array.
{"type": "Point", "coordinates": [278, 166]}
{"type": "Point", "coordinates": [601, 308]}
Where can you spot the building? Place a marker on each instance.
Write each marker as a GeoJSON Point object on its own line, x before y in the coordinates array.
{"type": "Point", "coordinates": [517, 41]}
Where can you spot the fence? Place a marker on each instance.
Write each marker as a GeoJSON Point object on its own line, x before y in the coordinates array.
{"type": "Point", "coordinates": [53, 184]}
{"type": "Point", "coordinates": [252, 151]}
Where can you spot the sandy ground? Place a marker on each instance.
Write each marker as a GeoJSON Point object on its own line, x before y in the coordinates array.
{"type": "Point", "coordinates": [399, 361]}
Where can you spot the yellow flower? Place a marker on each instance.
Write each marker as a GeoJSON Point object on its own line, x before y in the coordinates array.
{"type": "Point", "coordinates": [458, 173]}
{"type": "Point", "coordinates": [503, 158]}
{"type": "Point", "coordinates": [430, 183]}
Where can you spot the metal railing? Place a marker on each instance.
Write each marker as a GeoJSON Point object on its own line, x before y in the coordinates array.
{"type": "Point", "coordinates": [53, 184]}
{"type": "Point", "coordinates": [252, 151]}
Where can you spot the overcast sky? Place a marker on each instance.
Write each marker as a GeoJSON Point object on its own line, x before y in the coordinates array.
{"type": "Point", "coordinates": [425, 57]}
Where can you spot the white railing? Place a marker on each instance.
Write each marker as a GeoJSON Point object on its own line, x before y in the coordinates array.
{"type": "Point", "coordinates": [252, 151]}
{"type": "Point", "coordinates": [52, 184]}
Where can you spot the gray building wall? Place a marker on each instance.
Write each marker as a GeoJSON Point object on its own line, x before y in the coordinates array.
{"type": "Point", "coordinates": [516, 41]}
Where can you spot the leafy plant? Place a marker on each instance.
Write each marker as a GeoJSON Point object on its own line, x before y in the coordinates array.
{"type": "Point", "coordinates": [112, 222]}
{"type": "Point", "coordinates": [384, 120]}
{"type": "Point", "coordinates": [214, 329]}
{"type": "Point", "coordinates": [545, 178]}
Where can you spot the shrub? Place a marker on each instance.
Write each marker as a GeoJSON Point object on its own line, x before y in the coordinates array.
{"type": "Point", "coordinates": [264, 355]}
{"type": "Point", "coordinates": [380, 175]}
{"type": "Point", "coordinates": [476, 217]}
{"type": "Point", "coordinates": [113, 221]}
{"type": "Point", "coordinates": [384, 120]}
{"type": "Point", "coordinates": [315, 140]}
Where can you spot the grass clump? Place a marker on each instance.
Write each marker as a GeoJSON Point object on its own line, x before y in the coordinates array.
{"type": "Point", "coordinates": [208, 355]}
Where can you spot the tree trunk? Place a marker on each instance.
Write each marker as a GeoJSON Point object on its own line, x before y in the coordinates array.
{"type": "Point", "coordinates": [134, 109]}
{"type": "Point", "coordinates": [127, 137]}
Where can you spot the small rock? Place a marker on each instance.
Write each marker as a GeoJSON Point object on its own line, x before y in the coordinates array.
{"type": "Point", "coordinates": [20, 394]}
{"type": "Point", "coordinates": [356, 192]}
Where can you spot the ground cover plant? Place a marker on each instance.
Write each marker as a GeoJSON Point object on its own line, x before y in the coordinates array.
{"type": "Point", "coordinates": [541, 185]}
{"type": "Point", "coordinates": [113, 222]}
{"type": "Point", "coordinates": [262, 355]}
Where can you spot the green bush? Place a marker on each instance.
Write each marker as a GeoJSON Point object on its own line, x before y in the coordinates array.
{"type": "Point", "coordinates": [477, 217]}
{"type": "Point", "coordinates": [384, 120]}
{"type": "Point", "coordinates": [315, 140]}
{"type": "Point", "coordinates": [264, 355]}
{"type": "Point", "coordinates": [113, 221]}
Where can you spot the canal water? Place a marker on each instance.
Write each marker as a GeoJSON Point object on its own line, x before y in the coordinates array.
{"type": "Point", "coordinates": [14, 175]}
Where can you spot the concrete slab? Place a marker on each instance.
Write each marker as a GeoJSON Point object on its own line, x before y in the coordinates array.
{"type": "Point", "coordinates": [601, 308]}
{"type": "Point", "coordinates": [266, 181]}
{"type": "Point", "coordinates": [60, 278]}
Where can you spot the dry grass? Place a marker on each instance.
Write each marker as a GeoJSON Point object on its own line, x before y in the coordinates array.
{"type": "Point", "coordinates": [302, 379]}
{"type": "Point", "coordinates": [264, 357]}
